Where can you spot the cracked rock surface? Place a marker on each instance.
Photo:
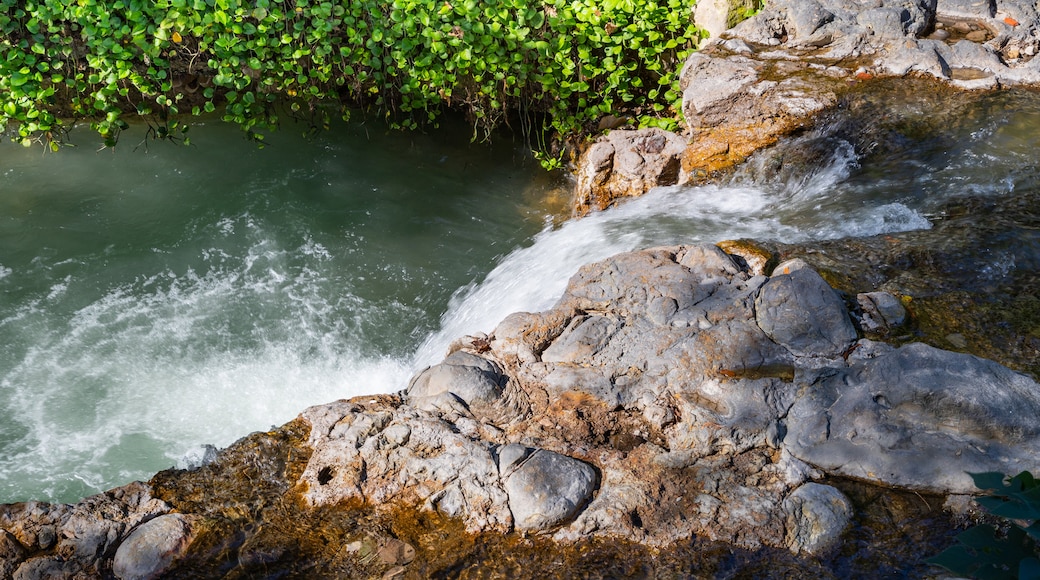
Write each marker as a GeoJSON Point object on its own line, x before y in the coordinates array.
{"type": "Point", "coordinates": [671, 393]}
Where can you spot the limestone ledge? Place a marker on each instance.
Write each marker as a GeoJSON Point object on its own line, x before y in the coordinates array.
{"type": "Point", "coordinates": [774, 74]}
{"type": "Point", "coordinates": [672, 393]}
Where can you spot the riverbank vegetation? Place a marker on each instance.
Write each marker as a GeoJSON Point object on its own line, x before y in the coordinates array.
{"type": "Point", "coordinates": [1009, 552]}
{"type": "Point", "coordinates": [570, 63]}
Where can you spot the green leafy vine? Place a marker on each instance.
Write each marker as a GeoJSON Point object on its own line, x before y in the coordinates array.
{"type": "Point", "coordinates": [1010, 551]}
{"type": "Point", "coordinates": [571, 62]}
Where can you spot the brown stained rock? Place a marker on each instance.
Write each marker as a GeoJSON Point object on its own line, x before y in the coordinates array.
{"type": "Point", "coordinates": [534, 332]}
{"type": "Point", "coordinates": [775, 73]}
{"type": "Point", "coordinates": [12, 554]}
{"type": "Point", "coordinates": [715, 150]}
{"type": "Point", "coordinates": [626, 164]}
{"type": "Point", "coordinates": [758, 258]}
{"type": "Point", "coordinates": [735, 105]}
{"type": "Point", "coordinates": [395, 552]}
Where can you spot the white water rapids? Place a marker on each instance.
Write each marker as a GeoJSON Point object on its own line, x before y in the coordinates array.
{"type": "Point", "coordinates": [148, 310]}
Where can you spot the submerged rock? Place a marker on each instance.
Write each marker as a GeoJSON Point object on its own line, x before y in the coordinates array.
{"type": "Point", "coordinates": [880, 312]}
{"type": "Point", "coordinates": [816, 516]}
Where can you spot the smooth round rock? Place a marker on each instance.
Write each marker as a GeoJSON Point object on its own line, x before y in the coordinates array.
{"type": "Point", "coordinates": [152, 547]}
{"type": "Point", "coordinates": [799, 310]}
{"type": "Point", "coordinates": [548, 489]}
{"type": "Point", "coordinates": [473, 379]}
{"type": "Point", "coordinates": [816, 516]}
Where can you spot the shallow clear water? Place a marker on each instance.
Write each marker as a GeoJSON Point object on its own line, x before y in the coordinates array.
{"type": "Point", "coordinates": [154, 301]}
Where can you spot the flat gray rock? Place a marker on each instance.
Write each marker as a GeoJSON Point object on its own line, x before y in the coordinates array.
{"type": "Point", "coordinates": [800, 311]}
{"type": "Point", "coordinates": [918, 417]}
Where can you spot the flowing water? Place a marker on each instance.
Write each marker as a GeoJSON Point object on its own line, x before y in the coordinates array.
{"type": "Point", "coordinates": [156, 300]}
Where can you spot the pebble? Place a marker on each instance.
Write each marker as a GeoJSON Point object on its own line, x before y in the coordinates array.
{"type": "Point", "coordinates": [977, 36]}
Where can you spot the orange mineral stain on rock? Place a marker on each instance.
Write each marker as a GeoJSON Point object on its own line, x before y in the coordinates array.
{"type": "Point", "coordinates": [722, 148]}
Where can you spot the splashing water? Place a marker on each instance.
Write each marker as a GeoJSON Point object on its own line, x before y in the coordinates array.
{"type": "Point", "coordinates": [527, 281]}
{"type": "Point", "coordinates": [156, 301]}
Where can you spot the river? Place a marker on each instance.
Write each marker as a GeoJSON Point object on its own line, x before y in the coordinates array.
{"type": "Point", "coordinates": [159, 298]}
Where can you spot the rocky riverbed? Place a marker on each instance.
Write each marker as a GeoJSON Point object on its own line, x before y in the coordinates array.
{"type": "Point", "coordinates": [777, 73]}
{"type": "Point", "coordinates": [672, 393]}
{"type": "Point", "coordinates": [689, 410]}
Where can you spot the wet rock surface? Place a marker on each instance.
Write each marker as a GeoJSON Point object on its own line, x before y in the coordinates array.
{"type": "Point", "coordinates": [776, 73]}
{"type": "Point", "coordinates": [817, 515]}
{"type": "Point", "coordinates": [967, 284]}
{"type": "Point", "coordinates": [657, 406]}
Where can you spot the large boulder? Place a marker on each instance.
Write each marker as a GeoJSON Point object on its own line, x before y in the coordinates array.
{"type": "Point", "coordinates": [916, 417]}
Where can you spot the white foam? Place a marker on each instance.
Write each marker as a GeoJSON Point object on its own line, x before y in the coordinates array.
{"type": "Point", "coordinates": [532, 278]}
{"type": "Point", "coordinates": [254, 329]}
{"type": "Point", "coordinates": [175, 359]}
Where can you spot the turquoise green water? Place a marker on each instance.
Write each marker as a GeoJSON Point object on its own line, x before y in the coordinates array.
{"type": "Point", "coordinates": [154, 301]}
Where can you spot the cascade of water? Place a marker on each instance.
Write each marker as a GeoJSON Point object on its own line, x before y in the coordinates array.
{"type": "Point", "coordinates": [146, 309]}
{"type": "Point", "coordinates": [532, 278]}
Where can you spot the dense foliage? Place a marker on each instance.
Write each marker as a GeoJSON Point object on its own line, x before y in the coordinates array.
{"type": "Point", "coordinates": [576, 60]}
{"type": "Point", "coordinates": [989, 553]}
